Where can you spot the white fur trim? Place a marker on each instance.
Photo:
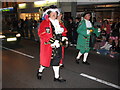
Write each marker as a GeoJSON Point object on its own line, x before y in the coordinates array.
{"type": "Point", "coordinates": [52, 10]}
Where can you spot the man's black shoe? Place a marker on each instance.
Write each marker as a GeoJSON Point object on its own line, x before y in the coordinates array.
{"type": "Point", "coordinates": [86, 63]}
{"type": "Point", "coordinates": [39, 75]}
{"type": "Point", "coordinates": [62, 66]}
{"type": "Point", "coordinates": [77, 61]}
{"type": "Point", "coordinates": [59, 79]}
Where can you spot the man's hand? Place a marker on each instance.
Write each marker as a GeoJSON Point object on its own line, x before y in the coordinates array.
{"type": "Point", "coordinates": [55, 44]}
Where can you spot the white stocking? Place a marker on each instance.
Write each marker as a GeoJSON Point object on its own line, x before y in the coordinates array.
{"type": "Point", "coordinates": [56, 71]}
{"type": "Point", "coordinates": [41, 68]}
{"type": "Point", "coordinates": [79, 54]}
{"type": "Point", "coordinates": [85, 57]}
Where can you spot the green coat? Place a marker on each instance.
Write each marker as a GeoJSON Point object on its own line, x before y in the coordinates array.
{"type": "Point", "coordinates": [84, 38]}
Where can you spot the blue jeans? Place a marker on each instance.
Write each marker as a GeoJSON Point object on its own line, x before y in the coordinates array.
{"type": "Point", "coordinates": [103, 51]}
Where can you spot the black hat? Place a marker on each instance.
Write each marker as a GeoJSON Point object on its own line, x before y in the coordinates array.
{"type": "Point", "coordinates": [45, 8]}
{"type": "Point", "coordinates": [53, 7]}
{"type": "Point", "coordinates": [86, 13]}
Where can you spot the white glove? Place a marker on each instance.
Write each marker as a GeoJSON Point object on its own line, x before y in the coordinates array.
{"type": "Point", "coordinates": [64, 38]}
{"type": "Point", "coordinates": [55, 44]}
{"type": "Point", "coordinates": [99, 30]}
{"type": "Point", "coordinates": [88, 31]}
{"type": "Point", "coordinates": [59, 30]}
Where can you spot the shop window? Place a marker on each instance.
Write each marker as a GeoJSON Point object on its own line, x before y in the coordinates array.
{"type": "Point", "coordinates": [35, 16]}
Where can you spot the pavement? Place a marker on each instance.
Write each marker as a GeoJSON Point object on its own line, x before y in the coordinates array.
{"type": "Point", "coordinates": [20, 64]}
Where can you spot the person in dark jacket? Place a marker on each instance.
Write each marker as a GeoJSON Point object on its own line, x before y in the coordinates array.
{"type": "Point", "coordinates": [71, 28]}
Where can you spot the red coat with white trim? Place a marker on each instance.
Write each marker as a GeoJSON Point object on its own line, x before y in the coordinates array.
{"type": "Point", "coordinates": [46, 49]}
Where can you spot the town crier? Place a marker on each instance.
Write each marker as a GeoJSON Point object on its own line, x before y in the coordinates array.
{"type": "Point", "coordinates": [84, 30]}
{"type": "Point", "coordinates": [52, 38]}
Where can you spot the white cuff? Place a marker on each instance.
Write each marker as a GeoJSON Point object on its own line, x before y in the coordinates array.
{"type": "Point", "coordinates": [64, 38]}
{"type": "Point", "coordinates": [55, 44]}
{"type": "Point", "coordinates": [88, 31]}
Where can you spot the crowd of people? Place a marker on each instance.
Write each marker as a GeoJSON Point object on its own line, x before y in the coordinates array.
{"type": "Point", "coordinates": [28, 28]}
{"type": "Point", "coordinates": [54, 32]}
{"type": "Point", "coordinates": [109, 34]}
{"type": "Point", "coordinates": [84, 34]}
{"type": "Point", "coordinates": [106, 43]}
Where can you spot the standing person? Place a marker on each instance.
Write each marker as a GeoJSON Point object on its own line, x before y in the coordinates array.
{"type": "Point", "coordinates": [98, 23]}
{"type": "Point", "coordinates": [75, 34]}
{"type": "Point", "coordinates": [30, 28]}
{"type": "Point", "coordinates": [59, 18]}
{"type": "Point", "coordinates": [71, 28]}
{"type": "Point", "coordinates": [84, 31]}
{"type": "Point", "coordinates": [26, 27]}
{"type": "Point", "coordinates": [115, 28]}
{"type": "Point", "coordinates": [35, 28]}
{"type": "Point", "coordinates": [50, 33]}
{"type": "Point", "coordinates": [107, 28]}
{"type": "Point", "coordinates": [20, 27]}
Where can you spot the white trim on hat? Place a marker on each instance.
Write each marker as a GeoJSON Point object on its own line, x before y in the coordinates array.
{"type": "Point", "coordinates": [52, 10]}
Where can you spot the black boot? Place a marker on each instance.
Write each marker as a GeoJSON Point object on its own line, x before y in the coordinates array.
{"type": "Point", "coordinates": [60, 79]}
{"type": "Point", "coordinates": [39, 75]}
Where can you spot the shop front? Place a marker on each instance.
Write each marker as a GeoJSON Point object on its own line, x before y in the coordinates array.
{"type": "Point", "coordinates": [33, 10]}
{"type": "Point", "coordinates": [30, 13]}
{"type": "Point", "coordinates": [35, 16]}
{"type": "Point", "coordinates": [105, 11]}
{"type": "Point", "coordinates": [8, 12]}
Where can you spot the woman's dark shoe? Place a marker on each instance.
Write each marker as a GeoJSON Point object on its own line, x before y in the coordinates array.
{"type": "Point", "coordinates": [60, 79]}
{"type": "Point", "coordinates": [77, 61]}
{"type": "Point", "coordinates": [39, 75]}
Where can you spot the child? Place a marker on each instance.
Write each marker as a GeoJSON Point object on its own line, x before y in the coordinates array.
{"type": "Point", "coordinates": [106, 48]}
{"type": "Point", "coordinates": [100, 41]}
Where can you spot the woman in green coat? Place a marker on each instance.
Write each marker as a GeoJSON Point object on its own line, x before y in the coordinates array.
{"type": "Point", "coordinates": [84, 31]}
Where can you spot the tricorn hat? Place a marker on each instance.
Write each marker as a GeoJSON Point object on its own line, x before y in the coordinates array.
{"type": "Point", "coordinates": [52, 8]}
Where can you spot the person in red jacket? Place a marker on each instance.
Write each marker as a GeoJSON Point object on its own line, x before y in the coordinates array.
{"type": "Point", "coordinates": [107, 28]}
{"type": "Point", "coordinates": [59, 18]}
{"type": "Point", "coordinates": [52, 34]}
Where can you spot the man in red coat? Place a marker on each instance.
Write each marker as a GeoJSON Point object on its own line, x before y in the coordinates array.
{"type": "Point", "coordinates": [51, 34]}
